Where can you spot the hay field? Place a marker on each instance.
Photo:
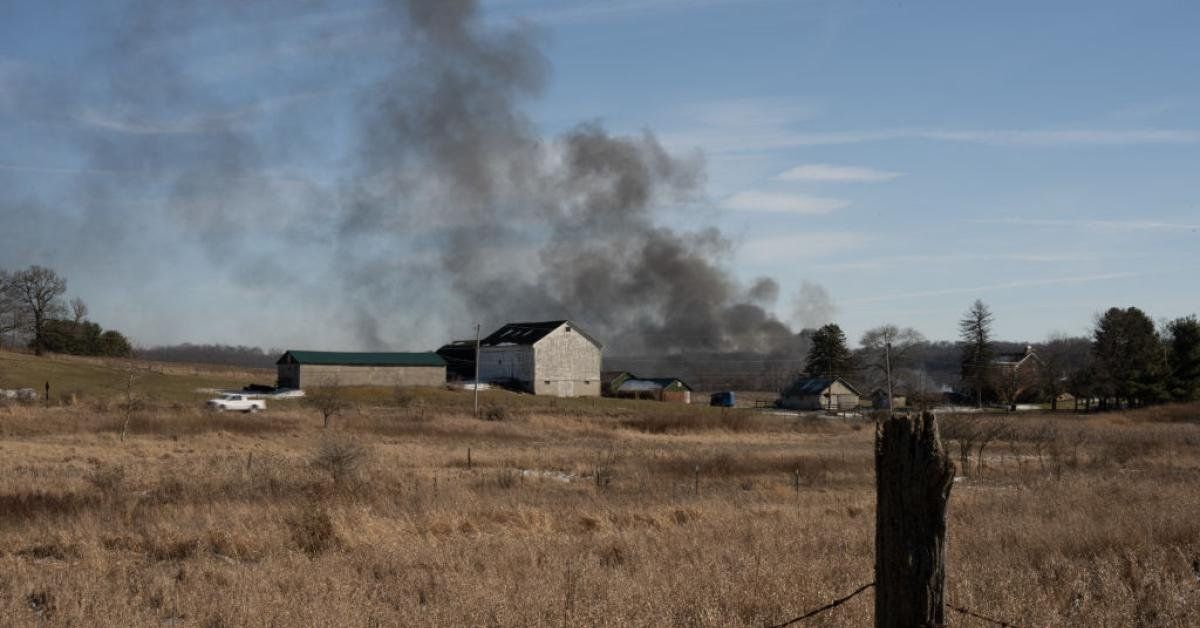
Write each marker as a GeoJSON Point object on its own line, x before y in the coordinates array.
{"type": "Point", "coordinates": [570, 513]}
{"type": "Point", "coordinates": [86, 378]}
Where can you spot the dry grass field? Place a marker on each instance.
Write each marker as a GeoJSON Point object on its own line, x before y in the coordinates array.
{"type": "Point", "coordinates": [569, 513]}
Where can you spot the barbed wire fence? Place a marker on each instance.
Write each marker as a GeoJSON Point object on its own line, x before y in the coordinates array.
{"type": "Point", "coordinates": [913, 478]}
{"type": "Point", "coordinates": [842, 600]}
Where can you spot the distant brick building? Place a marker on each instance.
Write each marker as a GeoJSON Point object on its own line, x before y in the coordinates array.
{"type": "Point", "coordinates": [329, 368]}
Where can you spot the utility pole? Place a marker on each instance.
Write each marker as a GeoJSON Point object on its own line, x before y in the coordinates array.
{"type": "Point", "coordinates": [477, 370]}
{"type": "Point", "coordinates": [887, 360]}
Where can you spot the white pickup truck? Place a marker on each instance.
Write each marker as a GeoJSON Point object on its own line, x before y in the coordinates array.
{"type": "Point", "coordinates": [239, 403]}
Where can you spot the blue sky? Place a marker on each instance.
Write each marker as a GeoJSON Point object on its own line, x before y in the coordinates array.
{"type": "Point", "coordinates": [909, 157]}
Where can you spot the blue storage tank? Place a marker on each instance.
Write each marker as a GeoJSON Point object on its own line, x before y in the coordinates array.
{"type": "Point", "coordinates": [723, 399]}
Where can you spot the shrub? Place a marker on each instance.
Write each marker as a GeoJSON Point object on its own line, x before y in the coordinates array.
{"type": "Point", "coordinates": [663, 423]}
{"type": "Point", "coordinates": [496, 413]}
{"type": "Point", "coordinates": [107, 479]}
{"type": "Point", "coordinates": [312, 531]}
{"type": "Point", "coordinates": [507, 478]}
{"type": "Point", "coordinates": [404, 397]}
{"type": "Point", "coordinates": [341, 457]}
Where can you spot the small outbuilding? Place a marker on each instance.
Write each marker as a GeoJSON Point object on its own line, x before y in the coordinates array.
{"type": "Point", "coordinates": [668, 389]}
{"type": "Point", "coordinates": [879, 400]}
{"type": "Point", "coordinates": [832, 394]}
{"type": "Point", "coordinates": [610, 381]}
{"type": "Point", "coordinates": [337, 368]}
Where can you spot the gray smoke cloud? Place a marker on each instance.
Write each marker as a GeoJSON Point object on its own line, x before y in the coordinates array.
{"type": "Point", "coordinates": [812, 306]}
{"type": "Point", "coordinates": [446, 207]}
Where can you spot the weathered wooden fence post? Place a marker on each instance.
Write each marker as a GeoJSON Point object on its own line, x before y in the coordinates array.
{"type": "Point", "coordinates": [913, 476]}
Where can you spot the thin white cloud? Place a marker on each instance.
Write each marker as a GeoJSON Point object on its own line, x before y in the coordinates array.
{"type": "Point", "coordinates": [1110, 225]}
{"type": "Point", "coordinates": [784, 203]}
{"type": "Point", "coordinates": [735, 140]}
{"type": "Point", "coordinates": [781, 249]}
{"type": "Point", "coordinates": [836, 174]}
{"type": "Point", "coordinates": [190, 124]}
{"type": "Point", "coordinates": [894, 261]}
{"type": "Point", "coordinates": [591, 10]}
{"type": "Point", "coordinates": [1027, 283]}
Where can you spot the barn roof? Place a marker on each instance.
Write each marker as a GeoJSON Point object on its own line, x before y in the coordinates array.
{"type": "Point", "coordinates": [667, 382]}
{"type": "Point", "coordinates": [815, 386]}
{"type": "Point", "coordinates": [529, 333]}
{"type": "Point", "coordinates": [651, 383]}
{"type": "Point", "coordinates": [345, 358]}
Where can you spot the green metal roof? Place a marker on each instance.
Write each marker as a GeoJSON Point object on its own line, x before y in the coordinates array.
{"type": "Point", "coordinates": [342, 358]}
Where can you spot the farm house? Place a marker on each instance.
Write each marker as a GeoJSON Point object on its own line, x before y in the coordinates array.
{"type": "Point", "coordinates": [554, 358]}
{"type": "Point", "coordinates": [820, 393]}
{"type": "Point", "coordinates": [335, 368]}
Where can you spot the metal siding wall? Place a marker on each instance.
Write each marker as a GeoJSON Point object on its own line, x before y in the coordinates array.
{"type": "Point", "coordinates": [325, 375]}
{"type": "Point", "coordinates": [570, 362]}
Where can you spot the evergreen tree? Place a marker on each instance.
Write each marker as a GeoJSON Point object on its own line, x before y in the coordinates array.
{"type": "Point", "coordinates": [829, 355]}
{"type": "Point", "coordinates": [975, 332]}
{"type": "Point", "coordinates": [1129, 357]}
{"type": "Point", "coordinates": [1183, 358]}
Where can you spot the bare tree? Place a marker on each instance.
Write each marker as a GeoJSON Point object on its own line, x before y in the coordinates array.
{"type": "Point", "coordinates": [1062, 357]}
{"type": "Point", "coordinates": [79, 310]}
{"type": "Point", "coordinates": [1010, 381]}
{"type": "Point", "coordinates": [11, 314]}
{"type": "Point", "coordinates": [37, 292]}
{"type": "Point", "coordinates": [963, 430]}
{"type": "Point", "coordinates": [131, 401]}
{"type": "Point", "coordinates": [990, 429]}
{"type": "Point", "coordinates": [888, 348]}
{"type": "Point", "coordinates": [328, 400]}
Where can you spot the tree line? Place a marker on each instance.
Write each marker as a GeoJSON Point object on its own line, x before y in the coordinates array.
{"type": "Point", "coordinates": [1128, 361]}
{"type": "Point", "coordinates": [33, 311]}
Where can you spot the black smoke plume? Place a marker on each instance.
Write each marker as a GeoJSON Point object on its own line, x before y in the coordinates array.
{"type": "Point", "coordinates": [447, 206]}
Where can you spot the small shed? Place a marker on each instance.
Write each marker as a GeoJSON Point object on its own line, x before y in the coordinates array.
{"type": "Point", "coordinates": [668, 389]}
{"type": "Point", "coordinates": [338, 368]}
{"type": "Point", "coordinates": [879, 399]}
{"type": "Point", "coordinates": [610, 381]}
{"type": "Point", "coordinates": [832, 394]}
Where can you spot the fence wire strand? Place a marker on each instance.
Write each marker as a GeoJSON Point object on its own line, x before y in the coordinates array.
{"type": "Point", "coordinates": [832, 605]}
{"type": "Point", "coordinates": [842, 600]}
{"type": "Point", "coordinates": [971, 613]}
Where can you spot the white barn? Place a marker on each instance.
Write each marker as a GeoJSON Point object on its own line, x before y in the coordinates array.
{"type": "Point", "coordinates": [554, 358]}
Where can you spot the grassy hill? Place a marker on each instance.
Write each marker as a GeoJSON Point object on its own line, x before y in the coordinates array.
{"type": "Point", "coordinates": [106, 377]}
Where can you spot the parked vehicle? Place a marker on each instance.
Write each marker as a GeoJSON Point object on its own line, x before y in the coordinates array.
{"type": "Point", "coordinates": [723, 399]}
{"type": "Point", "coordinates": [237, 403]}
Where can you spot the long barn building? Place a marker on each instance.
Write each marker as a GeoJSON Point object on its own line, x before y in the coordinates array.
{"type": "Point", "coordinates": [334, 368]}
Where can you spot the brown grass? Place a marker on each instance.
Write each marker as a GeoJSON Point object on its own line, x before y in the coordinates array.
{"type": "Point", "coordinates": [585, 513]}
